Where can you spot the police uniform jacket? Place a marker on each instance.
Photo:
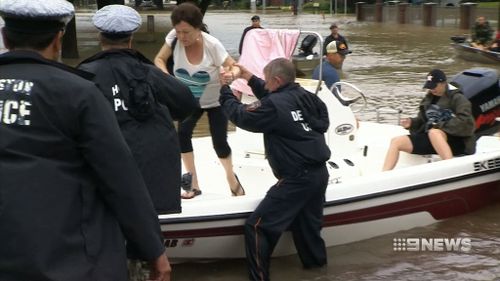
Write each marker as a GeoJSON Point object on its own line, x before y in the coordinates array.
{"type": "Point", "coordinates": [293, 122]}
{"type": "Point", "coordinates": [461, 124]}
{"type": "Point", "coordinates": [154, 142]}
{"type": "Point", "coordinates": [69, 187]}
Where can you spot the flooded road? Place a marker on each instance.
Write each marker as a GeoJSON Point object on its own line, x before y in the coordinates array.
{"type": "Point", "coordinates": [389, 63]}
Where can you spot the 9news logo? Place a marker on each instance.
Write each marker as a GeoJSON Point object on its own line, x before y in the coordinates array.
{"type": "Point", "coordinates": [432, 244]}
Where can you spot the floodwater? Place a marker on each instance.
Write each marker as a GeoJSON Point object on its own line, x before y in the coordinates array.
{"type": "Point", "coordinates": [389, 63]}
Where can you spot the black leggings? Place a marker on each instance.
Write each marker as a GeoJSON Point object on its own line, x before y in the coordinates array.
{"type": "Point", "coordinates": [217, 122]}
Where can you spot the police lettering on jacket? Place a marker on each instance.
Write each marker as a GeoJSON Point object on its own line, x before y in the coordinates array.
{"type": "Point", "coordinates": [15, 102]}
{"type": "Point", "coordinates": [297, 117]}
{"type": "Point", "coordinates": [118, 102]}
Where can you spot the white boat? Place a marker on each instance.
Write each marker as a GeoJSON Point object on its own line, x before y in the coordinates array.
{"type": "Point", "coordinates": [361, 201]}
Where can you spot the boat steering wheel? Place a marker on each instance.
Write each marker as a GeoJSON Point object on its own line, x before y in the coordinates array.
{"type": "Point", "coordinates": [349, 95]}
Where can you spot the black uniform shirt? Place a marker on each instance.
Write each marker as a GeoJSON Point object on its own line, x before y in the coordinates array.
{"type": "Point", "coordinates": [154, 142]}
{"type": "Point", "coordinates": [69, 188]}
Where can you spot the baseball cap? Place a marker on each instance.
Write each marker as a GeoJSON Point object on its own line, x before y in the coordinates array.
{"type": "Point", "coordinates": [117, 21]}
{"type": "Point", "coordinates": [255, 17]}
{"type": "Point", "coordinates": [337, 47]}
{"type": "Point", "coordinates": [433, 78]}
{"type": "Point", "coordinates": [32, 17]}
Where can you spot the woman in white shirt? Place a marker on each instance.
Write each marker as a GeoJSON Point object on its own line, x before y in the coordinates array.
{"type": "Point", "coordinates": [198, 58]}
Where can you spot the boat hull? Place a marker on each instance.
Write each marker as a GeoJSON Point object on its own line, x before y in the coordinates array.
{"type": "Point", "coordinates": [346, 219]}
{"type": "Point", "coordinates": [467, 52]}
{"type": "Point", "coordinates": [305, 66]}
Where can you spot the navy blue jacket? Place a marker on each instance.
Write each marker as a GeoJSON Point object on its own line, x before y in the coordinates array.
{"type": "Point", "coordinates": [69, 187]}
{"type": "Point", "coordinates": [292, 120]}
{"type": "Point", "coordinates": [154, 142]}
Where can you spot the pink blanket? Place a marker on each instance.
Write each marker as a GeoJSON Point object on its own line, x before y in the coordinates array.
{"type": "Point", "coordinates": [261, 46]}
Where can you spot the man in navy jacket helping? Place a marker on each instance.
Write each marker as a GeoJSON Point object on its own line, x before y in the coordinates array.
{"type": "Point", "coordinates": [293, 122]}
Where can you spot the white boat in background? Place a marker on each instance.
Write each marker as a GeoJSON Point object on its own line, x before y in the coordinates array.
{"type": "Point", "coordinates": [361, 201]}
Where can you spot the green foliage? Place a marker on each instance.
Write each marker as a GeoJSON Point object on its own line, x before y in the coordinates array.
{"type": "Point", "coordinates": [492, 4]}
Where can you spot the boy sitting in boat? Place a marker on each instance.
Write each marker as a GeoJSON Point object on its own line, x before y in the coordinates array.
{"type": "Point", "coordinates": [444, 124]}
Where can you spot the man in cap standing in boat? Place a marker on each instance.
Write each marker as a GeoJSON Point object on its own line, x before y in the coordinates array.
{"type": "Point", "coordinates": [444, 124]}
{"type": "Point", "coordinates": [336, 52]}
{"type": "Point", "coordinates": [293, 122]}
{"type": "Point", "coordinates": [70, 191]}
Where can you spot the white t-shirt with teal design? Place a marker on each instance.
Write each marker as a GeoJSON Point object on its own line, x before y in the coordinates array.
{"type": "Point", "coordinates": [203, 78]}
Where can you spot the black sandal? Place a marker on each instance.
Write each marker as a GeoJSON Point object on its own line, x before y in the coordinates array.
{"type": "Point", "coordinates": [194, 191]}
{"type": "Point", "coordinates": [186, 184]}
{"type": "Point", "coordinates": [239, 187]}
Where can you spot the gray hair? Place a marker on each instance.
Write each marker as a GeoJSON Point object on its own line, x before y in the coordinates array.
{"type": "Point", "coordinates": [281, 67]}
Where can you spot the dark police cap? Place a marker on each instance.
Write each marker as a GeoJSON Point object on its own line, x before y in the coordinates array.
{"type": "Point", "coordinates": [433, 78]}
{"type": "Point", "coordinates": [32, 17]}
{"type": "Point", "coordinates": [255, 18]}
{"type": "Point", "coordinates": [117, 21]}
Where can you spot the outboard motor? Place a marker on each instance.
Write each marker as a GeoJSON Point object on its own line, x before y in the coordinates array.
{"type": "Point", "coordinates": [482, 87]}
{"type": "Point", "coordinates": [458, 38]}
{"type": "Point", "coordinates": [307, 45]}
{"type": "Point", "coordinates": [306, 60]}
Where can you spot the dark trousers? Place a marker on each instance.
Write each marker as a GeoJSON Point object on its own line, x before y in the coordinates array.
{"type": "Point", "coordinates": [217, 122]}
{"type": "Point", "coordinates": [293, 203]}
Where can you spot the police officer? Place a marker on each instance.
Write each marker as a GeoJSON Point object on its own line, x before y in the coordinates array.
{"type": "Point", "coordinates": [293, 122]}
{"type": "Point", "coordinates": [144, 100]}
{"type": "Point", "coordinates": [70, 191]}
